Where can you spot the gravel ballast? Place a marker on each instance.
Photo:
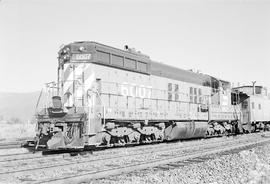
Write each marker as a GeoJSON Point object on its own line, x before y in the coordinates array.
{"type": "Point", "coordinates": [248, 166]}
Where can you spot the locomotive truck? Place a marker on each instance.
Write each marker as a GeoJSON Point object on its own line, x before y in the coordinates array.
{"type": "Point", "coordinates": [106, 96]}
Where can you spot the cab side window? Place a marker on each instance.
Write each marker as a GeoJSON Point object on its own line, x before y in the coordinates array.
{"type": "Point", "coordinates": [176, 90]}
{"type": "Point", "coordinates": [244, 105]}
{"type": "Point", "coordinates": [170, 91]}
{"type": "Point", "coordinates": [195, 95]}
{"type": "Point", "coordinates": [253, 105]}
{"type": "Point", "coordinates": [191, 94]}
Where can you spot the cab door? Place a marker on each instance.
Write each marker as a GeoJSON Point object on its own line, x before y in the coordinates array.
{"type": "Point", "coordinates": [246, 110]}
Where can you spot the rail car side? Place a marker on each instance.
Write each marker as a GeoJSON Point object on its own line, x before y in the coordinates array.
{"type": "Point", "coordinates": [255, 107]}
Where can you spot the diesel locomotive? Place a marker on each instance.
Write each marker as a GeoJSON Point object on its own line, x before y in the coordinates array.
{"type": "Point", "coordinates": [106, 96]}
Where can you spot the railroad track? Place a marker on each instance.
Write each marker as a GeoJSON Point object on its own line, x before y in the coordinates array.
{"type": "Point", "coordinates": [164, 160]}
{"type": "Point", "coordinates": [30, 156]}
{"type": "Point", "coordinates": [50, 161]}
{"type": "Point", "coordinates": [110, 164]}
{"type": "Point", "coordinates": [10, 145]}
{"type": "Point", "coordinates": [38, 155]}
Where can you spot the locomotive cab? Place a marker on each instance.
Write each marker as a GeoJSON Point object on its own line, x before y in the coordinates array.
{"type": "Point", "coordinates": [72, 117]}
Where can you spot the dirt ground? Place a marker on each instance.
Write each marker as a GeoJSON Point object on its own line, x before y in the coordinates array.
{"type": "Point", "coordinates": [10, 132]}
{"type": "Point", "coordinates": [246, 167]}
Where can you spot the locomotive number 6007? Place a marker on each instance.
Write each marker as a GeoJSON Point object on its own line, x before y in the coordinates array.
{"type": "Point", "coordinates": [134, 90]}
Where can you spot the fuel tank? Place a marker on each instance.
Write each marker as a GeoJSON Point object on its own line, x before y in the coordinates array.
{"type": "Point", "coordinates": [186, 130]}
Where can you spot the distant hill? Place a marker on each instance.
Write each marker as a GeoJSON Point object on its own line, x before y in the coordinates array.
{"type": "Point", "coordinates": [18, 105]}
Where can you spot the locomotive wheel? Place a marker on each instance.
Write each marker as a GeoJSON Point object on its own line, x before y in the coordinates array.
{"type": "Point", "coordinates": [126, 139]}
{"type": "Point", "coordinates": [153, 137]}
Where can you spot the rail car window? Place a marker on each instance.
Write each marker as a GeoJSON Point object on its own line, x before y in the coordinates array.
{"type": "Point", "coordinates": [130, 63]}
{"type": "Point", "coordinates": [176, 90]}
{"type": "Point", "coordinates": [200, 95]}
{"type": "Point", "coordinates": [258, 90]}
{"type": "Point", "coordinates": [169, 91]}
{"type": "Point", "coordinates": [244, 105]}
{"type": "Point", "coordinates": [117, 60]}
{"type": "Point", "coordinates": [259, 106]}
{"type": "Point", "coordinates": [195, 99]}
{"type": "Point", "coordinates": [103, 57]}
{"type": "Point", "coordinates": [195, 91]}
{"type": "Point", "coordinates": [191, 94]}
{"type": "Point", "coordinates": [191, 90]}
{"type": "Point", "coordinates": [142, 66]}
{"type": "Point", "coordinates": [200, 99]}
{"type": "Point", "coordinates": [169, 86]}
{"type": "Point", "coordinates": [191, 99]}
{"type": "Point", "coordinates": [176, 97]}
{"type": "Point", "coordinates": [253, 105]}
{"type": "Point", "coordinates": [195, 95]}
{"type": "Point", "coordinates": [169, 96]}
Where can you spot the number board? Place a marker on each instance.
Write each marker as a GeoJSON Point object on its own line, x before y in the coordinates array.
{"type": "Point", "coordinates": [81, 57]}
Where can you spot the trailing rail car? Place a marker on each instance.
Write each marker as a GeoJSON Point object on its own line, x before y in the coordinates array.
{"type": "Point", "coordinates": [255, 108]}
{"type": "Point", "coordinates": [106, 96]}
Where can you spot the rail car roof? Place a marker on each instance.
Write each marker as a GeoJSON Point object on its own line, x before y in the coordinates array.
{"type": "Point", "coordinates": [154, 68]}
{"type": "Point", "coordinates": [113, 50]}
{"type": "Point", "coordinates": [163, 70]}
{"type": "Point", "coordinates": [247, 86]}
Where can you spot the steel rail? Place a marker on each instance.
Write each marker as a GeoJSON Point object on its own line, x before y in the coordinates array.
{"type": "Point", "coordinates": [135, 147]}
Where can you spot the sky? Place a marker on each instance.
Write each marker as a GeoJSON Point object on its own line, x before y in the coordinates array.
{"type": "Point", "coordinates": [229, 39]}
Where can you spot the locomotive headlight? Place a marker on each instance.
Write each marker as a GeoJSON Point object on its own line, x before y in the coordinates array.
{"type": "Point", "coordinates": [99, 115]}
{"type": "Point", "coordinates": [65, 50]}
{"type": "Point", "coordinates": [81, 48]}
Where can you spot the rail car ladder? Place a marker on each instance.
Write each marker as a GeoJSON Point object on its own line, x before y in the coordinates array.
{"type": "Point", "coordinates": [238, 117]}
